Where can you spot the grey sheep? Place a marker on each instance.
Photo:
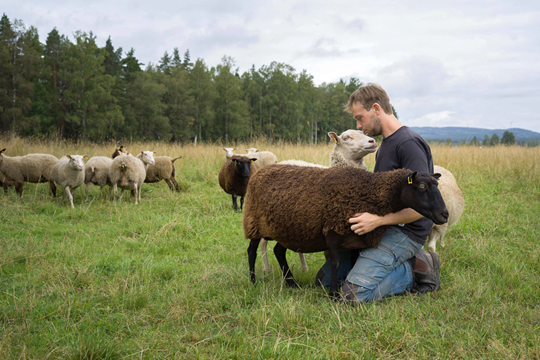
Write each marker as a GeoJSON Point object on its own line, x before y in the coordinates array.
{"type": "Point", "coordinates": [129, 172]}
{"type": "Point", "coordinates": [163, 169]}
{"type": "Point", "coordinates": [96, 172]}
{"type": "Point", "coordinates": [68, 172]}
{"type": "Point", "coordinates": [33, 168]}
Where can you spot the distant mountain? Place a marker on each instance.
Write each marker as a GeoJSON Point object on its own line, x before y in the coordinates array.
{"type": "Point", "coordinates": [458, 134]}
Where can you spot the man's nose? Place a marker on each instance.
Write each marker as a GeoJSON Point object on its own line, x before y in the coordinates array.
{"type": "Point", "coordinates": [358, 125]}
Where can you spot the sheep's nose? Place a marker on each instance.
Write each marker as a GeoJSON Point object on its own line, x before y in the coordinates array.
{"type": "Point", "coordinates": [371, 141]}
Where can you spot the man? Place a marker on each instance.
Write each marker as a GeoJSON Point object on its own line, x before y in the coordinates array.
{"type": "Point", "coordinates": [398, 264]}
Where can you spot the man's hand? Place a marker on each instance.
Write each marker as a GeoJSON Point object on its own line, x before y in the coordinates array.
{"type": "Point", "coordinates": [364, 223]}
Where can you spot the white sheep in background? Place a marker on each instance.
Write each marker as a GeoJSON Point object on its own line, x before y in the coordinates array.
{"type": "Point", "coordinates": [349, 150]}
{"type": "Point", "coordinates": [129, 172]}
{"type": "Point", "coordinates": [455, 203]}
{"type": "Point", "coordinates": [263, 157]}
{"type": "Point", "coordinates": [229, 152]}
{"type": "Point", "coordinates": [68, 172]}
{"type": "Point", "coordinates": [96, 172]}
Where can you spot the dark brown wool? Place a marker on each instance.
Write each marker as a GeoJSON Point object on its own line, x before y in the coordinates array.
{"type": "Point", "coordinates": [230, 181]}
{"type": "Point", "coordinates": [296, 205]}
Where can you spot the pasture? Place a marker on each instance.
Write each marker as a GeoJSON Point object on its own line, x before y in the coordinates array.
{"type": "Point", "coordinates": [169, 278]}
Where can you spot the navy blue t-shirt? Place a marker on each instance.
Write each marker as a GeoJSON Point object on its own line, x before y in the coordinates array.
{"type": "Point", "coordinates": [406, 149]}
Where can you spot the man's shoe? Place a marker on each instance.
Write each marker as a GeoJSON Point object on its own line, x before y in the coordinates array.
{"type": "Point", "coordinates": [426, 272]}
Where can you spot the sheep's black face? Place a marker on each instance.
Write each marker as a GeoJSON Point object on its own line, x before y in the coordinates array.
{"type": "Point", "coordinates": [243, 165]}
{"type": "Point", "coordinates": [422, 194]}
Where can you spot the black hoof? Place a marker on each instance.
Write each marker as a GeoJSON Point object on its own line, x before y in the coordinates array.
{"type": "Point", "coordinates": [335, 296]}
{"type": "Point", "coordinates": [292, 284]}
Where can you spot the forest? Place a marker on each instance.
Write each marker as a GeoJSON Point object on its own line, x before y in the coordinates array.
{"type": "Point", "coordinates": [72, 89]}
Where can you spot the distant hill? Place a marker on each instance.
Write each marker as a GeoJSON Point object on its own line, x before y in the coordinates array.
{"type": "Point", "coordinates": [458, 134]}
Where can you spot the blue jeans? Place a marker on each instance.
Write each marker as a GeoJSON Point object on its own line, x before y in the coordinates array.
{"type": "Point", "coordinates": [378, 272]}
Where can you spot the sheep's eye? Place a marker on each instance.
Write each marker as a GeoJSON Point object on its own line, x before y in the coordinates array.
{"type": "Point", "coordinates": [422, 186]}
{"type": "Point", "coordinates": [346, 137]}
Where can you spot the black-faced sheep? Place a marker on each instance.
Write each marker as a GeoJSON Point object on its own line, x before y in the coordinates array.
{"type": "Point", "coordinates": [234, 176]}
{"type": "Point", "coordinates": [119, 151]}
{"type": "Point", "coordinates": [33, 168]}
{"type": "Point", "coordinates": [306, 209]}
{"type": "Point", "coordinates": [96, 171]}
{"type": "Point", "coordinates": [455, 203]}
{"type": "Point", "coordinates": [68, 172]}
{"type": "Point", "coordinates": [350, 148]}
{"type": "Point", "coordinates": [263, 157]}
{"type": "Point", "coordinates": [163, 169]}
{"type": "Point", "coordinates": [129, 172]}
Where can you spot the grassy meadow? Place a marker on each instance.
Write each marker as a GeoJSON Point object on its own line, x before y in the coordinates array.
{"type": "Point", "coordinates": [168, 278]}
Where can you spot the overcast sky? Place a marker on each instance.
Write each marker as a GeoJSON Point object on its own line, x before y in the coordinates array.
{"type": "Point", "coordinates": [445, 63]}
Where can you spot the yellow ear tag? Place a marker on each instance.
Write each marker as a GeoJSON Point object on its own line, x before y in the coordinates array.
{"type": "Point", "coordinates": [252, 161]}
{"type": "Point", "coordinates": [335, 140]}
{"type": "Point", "coordinates": [409, 180]}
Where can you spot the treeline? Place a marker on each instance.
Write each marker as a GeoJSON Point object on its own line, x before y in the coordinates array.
{"type": "Point", "coordinates": [508, 138]}
{"type": "Point", "coordinates": [73, 89]}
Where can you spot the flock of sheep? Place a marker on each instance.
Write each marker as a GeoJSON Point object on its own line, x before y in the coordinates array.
{"type": "Point", "coordinates": [305, 207]}
{"type": "Point", "coordinates": [70, 172]}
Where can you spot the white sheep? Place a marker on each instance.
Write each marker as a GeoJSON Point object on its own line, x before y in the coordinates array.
{"type": "Point", "coordinates": [96, 172]}
{"type": "Point", "coordinates": [129, 172]}
{"type": "Point", "coordinates": [229, 152]}
{"type": "Point", "coordinates": [68, 172]}
{"type": "Point", "coordinates": [455, 203]}
{"type": "Point", "coordinates": [33, 168]}
{"type": "Point", "coordinates": [263, 157]}
{"type": "Point", "coordinates": [349, 150]}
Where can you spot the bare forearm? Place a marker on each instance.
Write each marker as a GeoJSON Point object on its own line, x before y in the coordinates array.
{"type": "Point", "coordinates": [404, 216]}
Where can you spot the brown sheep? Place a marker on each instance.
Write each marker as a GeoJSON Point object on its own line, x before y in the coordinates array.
{"type": "Point", "coordinates": [5, 183]}
{"type": "Point", "coordinates": [163, 169]}
{"type": "Point", "coordinates": [234, 177]}
{"type": "Point", "coordinates": [306, 209]}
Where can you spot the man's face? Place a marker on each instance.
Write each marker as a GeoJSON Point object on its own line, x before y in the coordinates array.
{"type": "Point", "coordinates": [367, 121]}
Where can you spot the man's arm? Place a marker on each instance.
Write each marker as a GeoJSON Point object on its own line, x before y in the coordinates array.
{"type": "Point", "coordinates": [366, 222]}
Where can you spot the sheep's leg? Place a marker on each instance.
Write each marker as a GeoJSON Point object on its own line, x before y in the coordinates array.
{"type": "Point", "coordinates": [19, 188]}
{"type": "Point", "coordinates": [121, 194]}
{"type": "Point", "coordinates": [115, 190]}
{"type": "Point", "coordinates": [66, 190]}
{"type": "Point", "coordinates": [266, 265]}
{"type": "Point", "coordinates": [100, 192]}
{"type": "Point", "coordinates": [241, 202]}
{"type": "Point", "coordinates": [140, 188]}
{"type": "Point", "coordinates": [110, 192]}
{"type": "Point", "coordinates": [252, 256]}
{"type": "Point", "coordinates": [280, 251]}
{"type": "Point", "coordinates": [176, 186]}
{"type": "Point", "coordinates": [234, 203]}
{"type": "Point", "coordinates": [137, 192]}
{"type": "Point", "coordinates": [52, 187]}
{"type": "Point", "coordinates": [86, 190]}
{"type": "Point", "coordinates": [333, 241]}
{"type": "Point", "coordinates": [170, 184]}
{"type": "Point", "coordinates": [303, 264]}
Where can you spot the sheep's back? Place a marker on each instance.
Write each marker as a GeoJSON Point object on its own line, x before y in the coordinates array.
{"type": "Point", "coordinates": [162, 169]}
{"type": "Point", "coordinates": [35, 167]}
{"type": "Point", "coordinates": [135, 170]}
{"type": "Point", "coordinates": [96, 170]}
{"type": "Point", "coordinates": [300, 203]}
{"type": "Point", "coordinates": [64, 175]}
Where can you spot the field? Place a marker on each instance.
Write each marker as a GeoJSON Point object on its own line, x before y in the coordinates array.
{"type": "Point", "coordinates": [169, 278]}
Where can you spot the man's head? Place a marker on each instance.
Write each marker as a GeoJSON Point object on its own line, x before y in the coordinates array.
{"type": "Point", "coordinates": [367, 104]}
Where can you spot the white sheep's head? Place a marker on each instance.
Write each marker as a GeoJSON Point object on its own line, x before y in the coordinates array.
{"type": "Point", "coordinates": [229, 152]}
{"type": "Point", "coordinates": [353, 144]}
{"type": "Point", "coordinates": [76, 162]}
{"type": "Point", "coordinates": [147, 157]}
{"type": "Point", "coordinates": [252, 150]}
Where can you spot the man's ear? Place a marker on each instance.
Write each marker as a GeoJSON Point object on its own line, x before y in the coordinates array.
{"type": "Point", "coordinates": [376, 108]}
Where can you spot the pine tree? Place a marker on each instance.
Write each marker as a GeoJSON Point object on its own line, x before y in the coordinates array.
{"type": "Point", "coordinates": [176, 60]}
{"type": "Point", "coordinates": [165, 63]}
{"type": "Point", "coordinates": [486, 141]}
{"type": "Point", "coordinates": [508, 138]}
{"type": "Point", "coordinates": [494, 140]}
{"type": "Point", "coordinates": [187, 64]}
{"type": "Point", "coordinates": [204, 94]}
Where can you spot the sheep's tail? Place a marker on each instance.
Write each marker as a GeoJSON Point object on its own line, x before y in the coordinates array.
{"type": "Point", "coordinates": [173, 160]}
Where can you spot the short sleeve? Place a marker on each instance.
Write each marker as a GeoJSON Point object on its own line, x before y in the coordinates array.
{"type": "Point", "coordinates": [413, 156]}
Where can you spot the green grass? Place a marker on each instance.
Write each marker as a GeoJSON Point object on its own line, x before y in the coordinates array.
{"type": "Point", "coordinates": [169, 279]}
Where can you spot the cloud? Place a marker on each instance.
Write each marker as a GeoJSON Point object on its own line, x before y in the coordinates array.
{"type": "Point", "coordinates": [326, 47]}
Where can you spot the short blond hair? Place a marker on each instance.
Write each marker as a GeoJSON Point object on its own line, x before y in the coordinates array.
{"type": "Point", "coordinates": [369, 94]}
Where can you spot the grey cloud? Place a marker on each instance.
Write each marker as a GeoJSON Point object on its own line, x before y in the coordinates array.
{"type": "Point", "coordinates": [326, 47]}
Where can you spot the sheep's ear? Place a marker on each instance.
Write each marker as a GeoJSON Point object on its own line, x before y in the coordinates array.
{"type": "Point", "coordinates": [142, 152]}
{"type": "Point", "coordinates": [154, 153]}
{"type": "Point", "coordinates": [121, 147]}
{"type": "Point", "coordinates": [436, 176]}
{"type": "Point", "coordinates": [68, 156]}
{"type": "Point", "coordinates": [253, 160]}
{"type": "Point", "coordinates": [1, 151]}
{"type": "Point", "coordinates": [85, 157]}
{"type": "Point", "coordinates": [410, 177]}
{"type": "Point", "coordinates": [235, 161]}
{"type": "Point", "coordinates": [233, 149]}
{"type": "Point", "coordinates": [333, 136]}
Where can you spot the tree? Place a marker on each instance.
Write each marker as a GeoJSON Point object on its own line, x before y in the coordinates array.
{"type": "Point", "coordinates": [165, 63]}
{"type": "Point", "coordinates": [508, 138]}
{"type": "Point", "coordinates": [486, 141]}
{"type": "Point", "coordinates": [204, 94]}
{"type": "Point", "coordinates": [474, 141]}
{"type": "Point", "coordinates": [187, 64]}
{"type": "Point", "coordinates": [494, 140]}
